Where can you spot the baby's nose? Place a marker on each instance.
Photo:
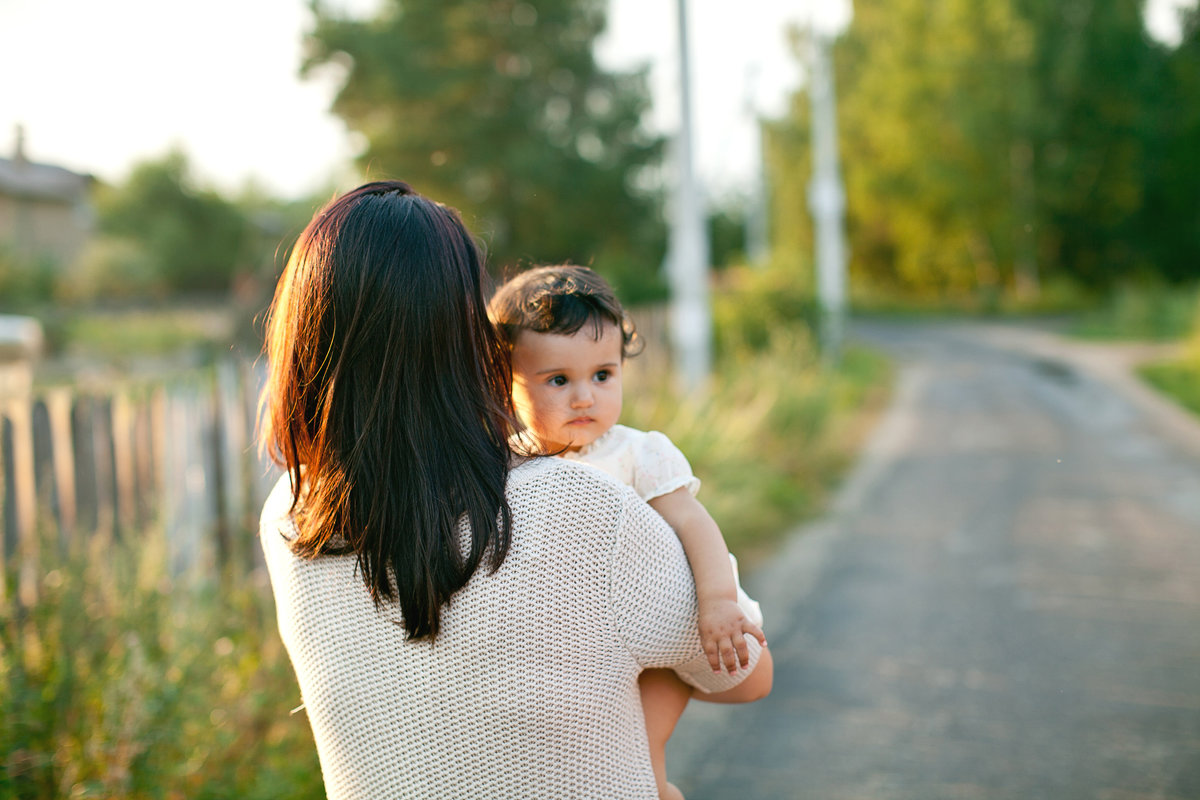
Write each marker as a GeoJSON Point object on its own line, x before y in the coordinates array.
{"type": "Point", "coordinates": [582, 398]}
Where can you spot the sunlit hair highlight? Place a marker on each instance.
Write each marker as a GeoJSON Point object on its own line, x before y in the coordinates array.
{"type": "Point", "coordinates": [388, 398]}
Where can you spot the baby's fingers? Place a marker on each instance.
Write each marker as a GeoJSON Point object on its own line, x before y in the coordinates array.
{"type": "Point", "coordinates": [713, 652]}
{"type": "Point", "coordinates": [734, 653]}
{"type": "Point", "coordinates": [755, 631]}
{"type": "Point", "coordinates": [743, 650]}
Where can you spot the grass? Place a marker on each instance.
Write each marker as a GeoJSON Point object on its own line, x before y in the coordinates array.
{"type": "Point", "coordinates": [124, 681]}
{"type": "Point", "coordinates": [1154, 313]}
{"type": "Point", "coordinates": [1179, 380]}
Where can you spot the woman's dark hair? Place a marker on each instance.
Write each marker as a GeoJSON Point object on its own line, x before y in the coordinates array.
{"type": "Point", "coordinates": [388, 398]}
{"type": "Point", "coordinates": [560, 300]}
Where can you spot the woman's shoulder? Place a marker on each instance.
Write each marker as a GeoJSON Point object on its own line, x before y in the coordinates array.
{"type": "Point", "coordinates": [559, 486]}
{"type": "Point", "coordinates": [549, 473]}
{"type": "Point", "coordinates": [277, 509]}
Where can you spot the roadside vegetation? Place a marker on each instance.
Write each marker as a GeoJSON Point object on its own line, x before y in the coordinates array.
{"type": "Point", "coordinates": [1179, 378]}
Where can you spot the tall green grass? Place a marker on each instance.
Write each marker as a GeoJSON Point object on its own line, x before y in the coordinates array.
{"type": "Point", "coordinates": [123, 681]}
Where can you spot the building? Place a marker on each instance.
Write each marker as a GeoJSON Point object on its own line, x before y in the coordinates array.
{"type": "Point", "coordinates": [45, 211]}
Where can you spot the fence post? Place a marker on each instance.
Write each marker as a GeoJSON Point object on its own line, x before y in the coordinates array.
{"type": "Point", "coordinates": [217, 450]}
{"type": "Point", "coordinates": [20, 414]}
{"type": "Point", "coordinates": [62, 451]}
{"type": "Point", "coordinates": [122, 443]}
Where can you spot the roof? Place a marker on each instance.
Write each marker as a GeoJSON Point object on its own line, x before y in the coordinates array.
{"type": "Point", "coordinates": [26, 179]}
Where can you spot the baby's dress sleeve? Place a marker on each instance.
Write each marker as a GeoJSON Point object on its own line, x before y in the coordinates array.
{"type": "Point", "coordinates": [660, 468]}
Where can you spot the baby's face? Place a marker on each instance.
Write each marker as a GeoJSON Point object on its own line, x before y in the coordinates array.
{"type": "Point", "coordinates": [567, 389]}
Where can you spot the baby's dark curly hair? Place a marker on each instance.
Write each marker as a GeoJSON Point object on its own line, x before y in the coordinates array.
{"type": "Point", "coordinates": [560, 299]}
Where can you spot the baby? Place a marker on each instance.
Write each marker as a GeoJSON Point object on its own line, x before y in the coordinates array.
{"type": "Point", "coordinates": [569, 338]}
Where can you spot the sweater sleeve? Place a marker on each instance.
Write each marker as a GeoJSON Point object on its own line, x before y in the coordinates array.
{"type": "Point", "coordinates": [654, 600]}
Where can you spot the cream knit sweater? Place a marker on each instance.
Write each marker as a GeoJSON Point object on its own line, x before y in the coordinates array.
{"type": "Point", "coordinates": [530, 690]}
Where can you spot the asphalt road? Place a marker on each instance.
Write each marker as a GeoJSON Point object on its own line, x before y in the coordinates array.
{"type": "Point", "coordinates": [1005, 602]}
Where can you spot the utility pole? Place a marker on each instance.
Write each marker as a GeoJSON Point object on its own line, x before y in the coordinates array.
{"type": "Point", "coordinates": [690, 317]}
{"type": "Point", "coordinates": [827, 200]}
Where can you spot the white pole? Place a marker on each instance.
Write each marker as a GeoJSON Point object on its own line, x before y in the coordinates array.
{"type": "Point", "coordinates": [691, 322]}
{"type": "Point", "coordinates": [827, 200]}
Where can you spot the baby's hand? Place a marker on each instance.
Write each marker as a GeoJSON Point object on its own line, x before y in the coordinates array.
{"type": "Point", "coordinates": [723, 629]}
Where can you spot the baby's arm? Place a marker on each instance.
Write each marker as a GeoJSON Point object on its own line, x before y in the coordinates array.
{"type": "Point", "coordinates": [723, 625]}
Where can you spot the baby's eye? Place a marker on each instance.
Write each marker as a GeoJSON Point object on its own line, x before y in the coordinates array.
{"type": "Point", "coordinates": [558, 380]}
{"type": "Point", "coordinates": [603, 375]}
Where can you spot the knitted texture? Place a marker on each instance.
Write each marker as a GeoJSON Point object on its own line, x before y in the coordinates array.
{"type": "Point", "coordinates": [530, 690]}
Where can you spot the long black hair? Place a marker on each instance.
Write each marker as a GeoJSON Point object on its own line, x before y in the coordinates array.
{"type": "Point", "coordinates": [388, 398]}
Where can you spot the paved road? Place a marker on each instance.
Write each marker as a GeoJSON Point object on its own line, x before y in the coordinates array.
{"type": "Point", "coordinates": [1005, 603]}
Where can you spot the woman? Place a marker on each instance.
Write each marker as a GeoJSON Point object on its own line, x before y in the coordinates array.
{"type": "Point", "coordinates": [463, 622]}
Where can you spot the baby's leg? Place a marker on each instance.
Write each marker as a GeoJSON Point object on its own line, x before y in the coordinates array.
{"type": "Point", "coordinates": [664, 697]}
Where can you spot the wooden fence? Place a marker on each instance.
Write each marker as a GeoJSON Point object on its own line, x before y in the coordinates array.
{"type": "Point", "coordinates": [175, 457]}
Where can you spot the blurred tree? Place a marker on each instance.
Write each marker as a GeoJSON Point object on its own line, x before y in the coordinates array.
{"type": "Point", "coordinates": [1171, 217]}
{"type": "Point", "coordinates": [989, 147]}
{"type": "Point", "coordinates": [194, 238]}
{"type": "Point", "coordinates": [727, 232]}
{"type": "Point", "coordinates": [927, 119]}
{"type": "Point", "coordinates": [499, 108]}
{"type": "Point", "coordinates": [1094, 82]}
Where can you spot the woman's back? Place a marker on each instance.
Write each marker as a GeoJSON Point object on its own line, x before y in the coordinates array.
{"type": "Point", "coordinates": [530, 689]}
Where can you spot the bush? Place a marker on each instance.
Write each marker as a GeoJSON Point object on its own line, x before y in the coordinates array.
{"type": "Point", "coordinates": [753, 304]}
{"type": "Point", "coordinates": [112, 268]}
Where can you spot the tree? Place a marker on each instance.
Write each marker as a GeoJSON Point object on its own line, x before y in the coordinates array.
{"type": "Point", "coordinates": [1171, 213]}
{"type": "Point", "coordinates": [1094, 77]}
{"type": "Point", "coordinates": [988, 147]}
{"type": "Point", "coordinates": [499, 108]}
{"type": "Point", "coordinates": [193, 238]}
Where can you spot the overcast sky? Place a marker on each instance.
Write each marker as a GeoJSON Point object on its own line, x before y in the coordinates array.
{"type": "Point", "coordinates": [99, 86]}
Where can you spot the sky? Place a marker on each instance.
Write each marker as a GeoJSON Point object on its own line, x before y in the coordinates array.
{"type": "Point", "coordinates": [101, 86]}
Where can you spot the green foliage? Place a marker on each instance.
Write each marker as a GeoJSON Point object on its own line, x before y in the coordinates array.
{"type": "Point", "coordinates": [498, 108]}
{"type": "Point", "coordinates": [727, 234]}
{"type": "Point", "coordinates": [126, 682]}
{"type": "Point", "coordinates": [635, 281]}
{"type": "Point", "coordinates": [116, 269]}
{"type": "Point", "coordinates": [25, 282]}
{"type": "Point", "coordinates": [195, 239]}
{"type": "Point", "coordinates": [753, 304]}
{"type": "Point", "coordinates": [992, 149]}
